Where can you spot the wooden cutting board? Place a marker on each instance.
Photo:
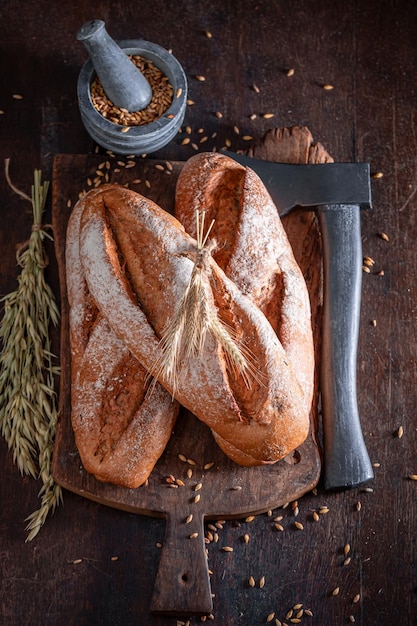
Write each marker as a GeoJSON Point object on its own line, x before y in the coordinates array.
{"type": "Point", "coordinates": [227, 490]}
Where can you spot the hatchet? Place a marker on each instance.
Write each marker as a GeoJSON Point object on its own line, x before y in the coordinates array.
{"type": "Point", "coordinates": [337, 191]}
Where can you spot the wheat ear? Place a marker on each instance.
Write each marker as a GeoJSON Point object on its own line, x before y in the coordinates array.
{"type": "Point", "coordinates": [185, 335]}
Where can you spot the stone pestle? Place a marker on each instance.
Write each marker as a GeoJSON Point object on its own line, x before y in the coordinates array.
{"type": "Point", "coordinates": [122, 82]}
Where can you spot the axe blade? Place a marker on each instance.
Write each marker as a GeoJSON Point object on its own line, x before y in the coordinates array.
{"type": "Point", "coordinates": [311, 185]}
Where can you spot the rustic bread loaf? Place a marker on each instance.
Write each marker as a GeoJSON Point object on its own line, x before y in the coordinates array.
{"type": "Point", "coordinates": [253, 250]}
{"type": "Point", "coordinates": [137, 261]}
{"type": "Point", "coordinates": [120, 431]}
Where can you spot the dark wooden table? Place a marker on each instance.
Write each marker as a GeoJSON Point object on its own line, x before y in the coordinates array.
{"type": "Point", "coordinates": [367, 51]}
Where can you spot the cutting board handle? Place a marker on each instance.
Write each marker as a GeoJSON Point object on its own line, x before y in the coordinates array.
{"type": "Point", "coordinates": [182, 584]}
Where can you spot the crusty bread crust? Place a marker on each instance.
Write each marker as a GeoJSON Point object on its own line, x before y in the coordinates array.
{"type": "Point", "coordinates": [136, 262]}
{"type": "Point", "coordinates": [120, 431]}
{"type": "Point", "coordinates": [254, 252]}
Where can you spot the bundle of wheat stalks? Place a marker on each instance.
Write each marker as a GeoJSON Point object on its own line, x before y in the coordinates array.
{"type": "Point", "coordinates": [28, 402]}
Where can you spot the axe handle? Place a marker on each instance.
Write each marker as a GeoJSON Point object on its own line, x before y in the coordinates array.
{"type": "Point", "coordinates": [346, 460]}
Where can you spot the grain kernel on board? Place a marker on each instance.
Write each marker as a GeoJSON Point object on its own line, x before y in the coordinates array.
{"type": "Point", "coordinates": [368, 261]}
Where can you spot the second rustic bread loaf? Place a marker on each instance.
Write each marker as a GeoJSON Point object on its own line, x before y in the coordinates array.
{"type": "Point", "coordinates": [253, 250]}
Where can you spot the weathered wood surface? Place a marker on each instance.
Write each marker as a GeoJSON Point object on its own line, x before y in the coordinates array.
{"type": "Point", "coordinates": [367, 52]}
